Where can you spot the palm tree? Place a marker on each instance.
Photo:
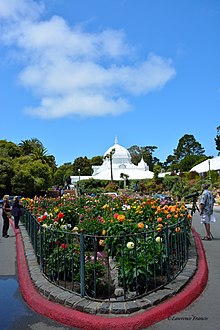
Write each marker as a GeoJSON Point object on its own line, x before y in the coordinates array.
{"type": "Point", "coordinates": [124, 177]}
{"type": "Point", "coordinates": [28, 145]}
{"type": "Point", "coordinates": [109, 156]}
{"type": "Point", "coordinates": [41, 154]}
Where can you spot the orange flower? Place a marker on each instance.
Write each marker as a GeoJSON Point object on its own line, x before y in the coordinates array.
{"type": "Point", "coordinates": [168, 216]}
{"type": "Point", "coordinates": [173, 208]}
{"type": "Point", "coordinates": [121, 218]}
{"type": "Point", "coordinates": [103, 232]}
{"type": "Point", "coordinates": [140, 225]}
{"type": "Point", "coordinates": [159, 219]}
{"type": "Point", "coordinates": [177, 230]}
{"type": "Point", "coordinates": [101, 242]}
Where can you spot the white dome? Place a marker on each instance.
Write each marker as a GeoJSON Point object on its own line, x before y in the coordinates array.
{"type": "Point", "coordinates": [120, 156]}
{"type": "Point", "coordinates": [121, 163]}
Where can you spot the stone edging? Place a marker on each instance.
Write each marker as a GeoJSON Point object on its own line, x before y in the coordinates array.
{"type": "Point", "coordinates": [74, 301]}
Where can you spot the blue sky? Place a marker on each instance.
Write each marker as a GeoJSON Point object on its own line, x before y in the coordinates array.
{"type": "Point", "coordinates": [75, 74]}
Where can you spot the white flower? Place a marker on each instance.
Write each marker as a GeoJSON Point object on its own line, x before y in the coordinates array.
{"type": "Point", "coordinates": [126, 207]}
{"type": "Point", "coordinates": [158, 239]}
{"type": "Point", "coordinates": [130, 245]}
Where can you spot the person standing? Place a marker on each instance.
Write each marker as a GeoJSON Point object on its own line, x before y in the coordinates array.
{"type": "Point", "coordinates": [16, 211]}
{"type": "Point", "coordinates": [6, 209]}
{"type": "Point", "coordinates": [206, 205]}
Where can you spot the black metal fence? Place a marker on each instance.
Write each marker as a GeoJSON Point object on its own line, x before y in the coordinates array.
{"type": "Point", "coordinates": [108, 267]}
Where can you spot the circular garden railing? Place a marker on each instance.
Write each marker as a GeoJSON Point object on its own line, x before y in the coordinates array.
{"type": "Point", "coordinates": [104, 267]}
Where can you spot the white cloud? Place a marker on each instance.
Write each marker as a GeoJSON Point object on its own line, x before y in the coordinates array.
{"type": "Point", "coordinates": [15, 10]}
{"type": "Point", "coordinates": [74, 72]}
{"type": "Point", "coordinates": [83, 104]}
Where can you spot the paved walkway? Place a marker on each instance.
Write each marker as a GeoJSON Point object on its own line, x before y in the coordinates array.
{"type": "Point", "coordinates": [201, 314]}
{"type": "Point", "coordinates": [15, 314]}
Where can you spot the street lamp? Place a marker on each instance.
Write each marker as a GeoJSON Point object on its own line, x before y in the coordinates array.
{"type": "Point", "coordinates": [78, 182]}
{"type": "Point", "coordinates": [209, 170]}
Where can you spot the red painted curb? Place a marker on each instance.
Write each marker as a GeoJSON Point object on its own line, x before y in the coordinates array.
{"type": "Point", "coordinates": [70, 317]}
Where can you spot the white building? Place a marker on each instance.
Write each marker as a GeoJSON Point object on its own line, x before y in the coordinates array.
{"type": "Point", "coordinates": [121, 164]}
{"type": "Point", "coordinates": [212, 164]}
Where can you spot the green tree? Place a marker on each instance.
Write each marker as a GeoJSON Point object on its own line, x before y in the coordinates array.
{"type": "Point", "coordinates": [23, 183]}
{"type": "Point", "coordinates": [9, 149]}
{"type": "Point", "coordinates": [28, 146]}
{"type": "Point", "coordinates": [189, 161]}
{"type": "Point", "coordinates": [6, 174]}
{"type": "Point", "coordinates": [83, 164]}
{"type": "Point", "coordinates": [96, 160]}
{"type": "Point", "coordinates": [62, 174]}
{"type": "Point", "coordinates": [31, 177]}
{"type": "Point", "coordinates": [40, 153]}
{"type": "Point", "coordinates": [137, 153]}
{"type": "Point", "coordinates": [188, 146]}
{"type": "Point", "coordinates": [217, 140]}
{"type": "Point", "coordinates": [170, 163]}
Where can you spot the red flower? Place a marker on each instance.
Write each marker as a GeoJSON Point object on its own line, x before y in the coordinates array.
{"type": "Point", "coordinates": [39, 219]}
{"type": "Point", "coordinates": [60, 215]}
{"type": "Point", "coordinates": [64, 246]}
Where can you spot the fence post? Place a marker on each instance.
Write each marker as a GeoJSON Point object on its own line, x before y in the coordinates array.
{"type": "Point", "coordinates": [186, 252]}
{"type": "Point", "coordinates": [82, 265]}
{"type": "Point", "coordinates": [41, 249]}
{"type": "Point", "coordinates": [167, 252]}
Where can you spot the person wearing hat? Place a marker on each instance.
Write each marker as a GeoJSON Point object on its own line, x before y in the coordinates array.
{"type": "Point", "coordinates": [206, 205]}
{"type": "Point", "coordinates": [6, 209]}
{"type": "Point", "coordinates": [16, 211]}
